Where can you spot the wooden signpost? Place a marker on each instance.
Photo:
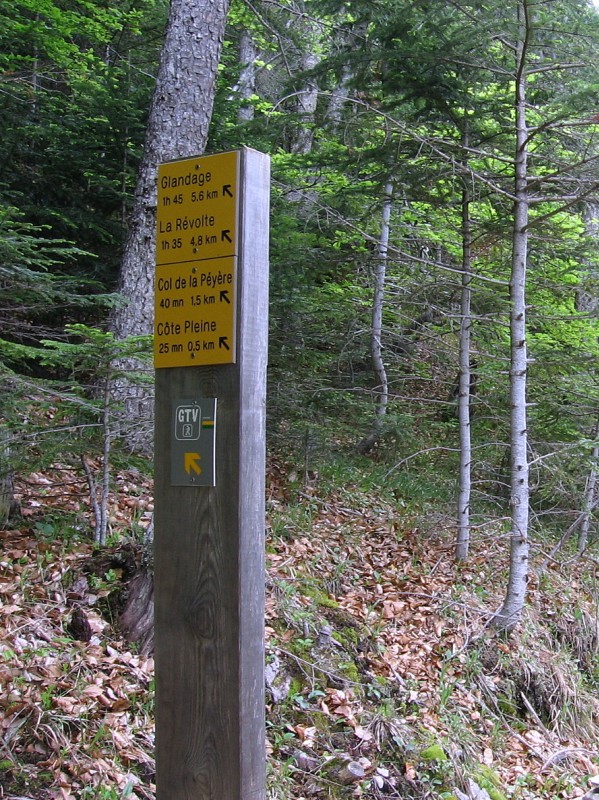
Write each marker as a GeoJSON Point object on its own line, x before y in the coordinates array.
{"type": "Point", "coordinates": [210, 356]}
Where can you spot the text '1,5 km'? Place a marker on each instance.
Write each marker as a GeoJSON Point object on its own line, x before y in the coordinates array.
{"type": "Point", "coordinates": [196, 261]}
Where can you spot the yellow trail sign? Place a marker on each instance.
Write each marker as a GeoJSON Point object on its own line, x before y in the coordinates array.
{"type": "Point", "coordinates": [196, 261]}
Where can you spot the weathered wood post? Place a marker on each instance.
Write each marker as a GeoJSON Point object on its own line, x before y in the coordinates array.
{"type": "Point", "coordinates": [210, 358]}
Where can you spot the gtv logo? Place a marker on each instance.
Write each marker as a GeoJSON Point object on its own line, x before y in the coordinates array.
{"type": "Point", "coordinates": [188, 423]}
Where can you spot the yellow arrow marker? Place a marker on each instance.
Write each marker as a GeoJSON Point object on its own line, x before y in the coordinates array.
{"type": "Point", "coordinates": [191, 463]}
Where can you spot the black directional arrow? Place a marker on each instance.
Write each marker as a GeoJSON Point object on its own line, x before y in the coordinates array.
{"type": "Point", "coordinates": [224, 296]}
{"type": "Point", "coordinates": [222, 342]}
{"type": "Point", "coordinates": [224, 236]}
{"type": "Point", "coordinates": [227, 190]}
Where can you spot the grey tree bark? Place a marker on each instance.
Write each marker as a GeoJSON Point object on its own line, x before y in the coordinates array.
{"type": "Point", "coordinates": [590, 494]}
{"type": "Point", "coordinates": [338, 98]}
{"type": "Point", "coordinates": [306, 97]}
{"type": "Point", "coordinates": [246, 86]}
{"type": "Point", "coordinates": [463, 517]}
{"type": "Point", "coordinates": [588, 298]}
{"type": "Point", "coordinates": [588, 301]}
{"type": "Point", "coordinates": [511, 610]}
{"type": "Point", "coordinates": [7, 500]}
{"type": "Point", "coordinates": [177, 128]}
{"type": "Point", "coordinates": [339, 95]}
{"type": "Point", "coordinates": [376, 335]}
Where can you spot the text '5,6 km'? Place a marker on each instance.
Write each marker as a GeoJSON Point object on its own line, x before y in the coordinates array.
{"type": "Point", "coordinates": [197, 224]}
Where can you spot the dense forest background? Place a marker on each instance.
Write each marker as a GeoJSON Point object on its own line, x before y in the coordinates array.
{"type": "Point", "coordinates": [407, 141]}
{"type": "Point", "coordinates": [434, 328]}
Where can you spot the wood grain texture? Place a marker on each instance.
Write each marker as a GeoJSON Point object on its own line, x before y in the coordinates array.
{"type": "Point", "coordinates": [209, 553]}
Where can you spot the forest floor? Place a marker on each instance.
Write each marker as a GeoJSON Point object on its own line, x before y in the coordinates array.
{"type": "Point", "coordinates": [384, 679]}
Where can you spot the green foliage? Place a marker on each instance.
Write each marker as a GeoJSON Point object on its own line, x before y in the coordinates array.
{"type": "Point", "coordinates": [488, 779]}
{"type": "Point", "coordinates": [76, 79]}
{"type": "Point", "coordinates": [74, 86]}
{"type": "Point", "coordinates": [34, 295]}
{"type": "Point", "coordinates": [92, 351]}
{"type": "Point", "coordinates": [433, 752]}
{"type": "Point", "coordinates": [71, 416]}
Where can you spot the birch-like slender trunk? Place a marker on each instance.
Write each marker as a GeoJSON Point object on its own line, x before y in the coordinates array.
{"type": "Point", "coordinates": [7, 499]}
{"type": "Point", "coordinates": [376, 334]}
{"type": "Point", "coordinates": [465, 380]}
{"type": "Point", "coordinates": [309, 35]}
{"type": "Point", "coordinates": [587, 299]}
{"type": "Point", "coordinates": [338, 99]}
{"type": "Point", "coordinates": [306, 102]}
{"type": "Point", "coordinates": [353, 34]}
{"type": "Point", "coordinates": [106, 452]}
{"type": "Point", "coordinates": [589, 494]}
{"type": "Point", "coordinates": [511, 610]}
{"type": "Point", "coordinates": [246, 86]}
{"type": "Point", "coordinates": [588, 302]}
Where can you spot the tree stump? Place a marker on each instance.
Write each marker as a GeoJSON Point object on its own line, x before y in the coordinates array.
{"type": "Point", "coordinates": [137, 619]}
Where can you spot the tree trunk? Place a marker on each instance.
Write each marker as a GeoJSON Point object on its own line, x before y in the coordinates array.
{"type": "Point", "coordinates": [587, 301]}
{"type": "Point", "coordinates": [137, 620]}
{"type": "Point", "coordinates": [307, 95]}
{"type": "Point", "coordinates": [246, 86]}
{"type": "Point", "coordinates": [307, 99]}
{"type": "Point", "coordinates": [355, 32]}
{"type": "Point", "coordinates": [463, 534]}
{"type": "Point", "coordinates": [378, 302]}
{"type": "Point", "coordinates": [338, 99]}
{"type": "Point", "coordinates": [354, 36]}
{"type": "Point", "coordinates": [510, 612]}
{"type": "Point", "coordinates": [177, 128]}
{"type": "Point", "coordinates": [589, 495]}
{"type": "Point", "coordinates": [7, 499]}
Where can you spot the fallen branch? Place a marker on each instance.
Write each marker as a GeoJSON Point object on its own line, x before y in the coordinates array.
{"type": "Point", "coordinates": [565, 753]}
{"type": "Point", "coordinates": [557, 547]}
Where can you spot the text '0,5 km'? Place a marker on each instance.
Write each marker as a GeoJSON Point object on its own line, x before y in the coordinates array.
{"type": "Point", "coordinates": [196, 261]}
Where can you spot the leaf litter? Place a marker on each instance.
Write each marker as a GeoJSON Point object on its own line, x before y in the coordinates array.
{"type": "Point", "coordinates": [379, 646]}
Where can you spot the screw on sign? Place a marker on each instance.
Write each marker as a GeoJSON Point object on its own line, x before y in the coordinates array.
{"type": "Point", "coordinates": [193, 442]}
